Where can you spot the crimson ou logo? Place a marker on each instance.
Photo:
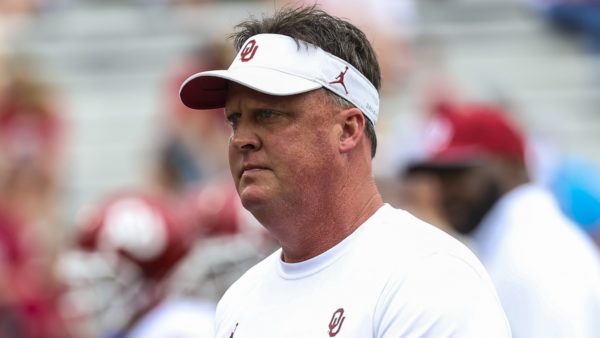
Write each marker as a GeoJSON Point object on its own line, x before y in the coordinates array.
{"type": "Point", "coordinates": [248, 51]}
{"type": "Point", "coordinates": [335, 324]}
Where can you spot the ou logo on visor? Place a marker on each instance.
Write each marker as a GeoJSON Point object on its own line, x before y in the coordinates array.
{"type": "Point", "coordinates": [248, 51]}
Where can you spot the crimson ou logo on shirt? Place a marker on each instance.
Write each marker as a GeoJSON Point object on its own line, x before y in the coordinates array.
{"type": "Point", "coordinates": [335, 324]}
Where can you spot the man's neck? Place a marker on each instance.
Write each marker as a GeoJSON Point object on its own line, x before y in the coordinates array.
{"type": "Point", "coordinates": [310, 232]}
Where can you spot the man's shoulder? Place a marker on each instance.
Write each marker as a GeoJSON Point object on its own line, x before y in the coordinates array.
{"type": "Point", "coordinates": [394, 234]}
{"type": "Point", "coordinates": [395, 246]}
{"type": "Point", "coordinates": [434, 275]}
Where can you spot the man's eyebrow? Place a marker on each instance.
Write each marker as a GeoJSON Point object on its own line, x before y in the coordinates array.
{"type": "Point", "coordinates": [276, 110]}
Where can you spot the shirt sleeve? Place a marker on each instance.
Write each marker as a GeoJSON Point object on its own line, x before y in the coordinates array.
{"type": "Point", "coordinates": [442, 296]}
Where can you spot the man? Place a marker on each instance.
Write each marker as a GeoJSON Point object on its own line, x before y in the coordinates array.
{"type": "Point", "coordinates": [302, 101]}
{"type": "Point", "coordinates": [546, 272]}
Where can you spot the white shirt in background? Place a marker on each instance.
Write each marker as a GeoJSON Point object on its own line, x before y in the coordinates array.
{"type": "Point", "coordinates": [177, 319]}
{"type": "Point", "coordinates": [546, 271]}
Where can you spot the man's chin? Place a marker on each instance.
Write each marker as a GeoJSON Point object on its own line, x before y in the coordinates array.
{"type": "Point", "coordinates": [253, 199]}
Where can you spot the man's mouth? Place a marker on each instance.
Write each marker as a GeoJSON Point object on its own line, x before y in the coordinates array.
{"type": "Point", "coordinates": [252, 168]}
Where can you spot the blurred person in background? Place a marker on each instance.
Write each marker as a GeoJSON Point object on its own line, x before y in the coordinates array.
{"type": "Point", "coordinates": [29, 295]}
{"type": "Point", "coordinates": [232, 239]}
{"type": "Point", "coordinates": [546, 271]}
{"type": "Point", "coordinates": [32, 133]}
{"type": "Point", "coordinates": [415, 191]}
{"type": "Point", "coordinates": [420, 194]}
{"type": "Point", "coordinates": [121, 271]}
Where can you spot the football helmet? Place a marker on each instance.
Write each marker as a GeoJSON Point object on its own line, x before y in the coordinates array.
{"type": "Point", "coordinates": [123, 251]}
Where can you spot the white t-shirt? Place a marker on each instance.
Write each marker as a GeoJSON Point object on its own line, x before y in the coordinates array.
{"type": "Point", "coordinates": [546, 271]}
{"type": "Point", "coordinates": [395, 276]}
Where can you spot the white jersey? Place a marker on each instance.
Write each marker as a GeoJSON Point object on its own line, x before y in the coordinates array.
{"type": "Point", "coordinates": [546, 271]}
{"type": "Point", "coordinates": [395, 276]}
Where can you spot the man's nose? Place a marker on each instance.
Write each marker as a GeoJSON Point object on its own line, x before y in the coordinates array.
{"type": "Point", "coordinates": [244, 138]}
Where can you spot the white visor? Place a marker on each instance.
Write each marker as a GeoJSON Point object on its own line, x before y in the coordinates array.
{"type": "Point", "coordinates": [277, 65]}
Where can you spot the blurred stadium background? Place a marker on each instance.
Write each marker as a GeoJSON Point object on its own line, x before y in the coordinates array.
{"type": "Point", "coordinates": [113, 64]}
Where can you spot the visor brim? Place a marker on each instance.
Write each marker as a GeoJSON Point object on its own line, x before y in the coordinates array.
{"type": "Point", "coordinates": [208, 90]}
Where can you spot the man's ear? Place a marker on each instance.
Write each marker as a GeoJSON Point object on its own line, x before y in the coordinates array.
{"type": "Point", "coordinates": [353, 127]}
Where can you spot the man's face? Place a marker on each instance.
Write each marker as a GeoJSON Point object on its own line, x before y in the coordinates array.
{"type": "Point", "coordinates": [281, 148]}
{"type": "Point", "coordinates": [468, 194]}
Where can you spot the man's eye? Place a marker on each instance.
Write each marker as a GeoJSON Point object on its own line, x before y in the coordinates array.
{"type": "Point", "coordinates": [265, 114]}
{"type": "Point", "coordinates": [233, 119]}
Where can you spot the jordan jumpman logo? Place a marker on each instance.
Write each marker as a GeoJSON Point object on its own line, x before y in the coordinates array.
{"type": "Point", "coordinates": [340, 79]}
